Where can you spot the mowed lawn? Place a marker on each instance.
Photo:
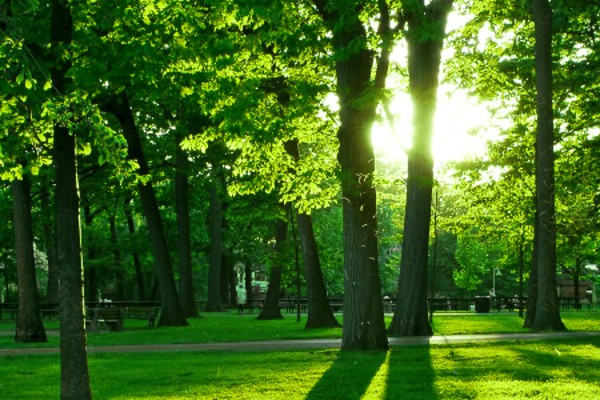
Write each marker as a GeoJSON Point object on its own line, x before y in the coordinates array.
{"type": "Point", "coordinates": [557, 369]}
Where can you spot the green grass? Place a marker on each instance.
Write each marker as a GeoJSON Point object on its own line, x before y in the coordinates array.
{"type": "Point", "coordinates": [558, 369]}
{"type": "Point", "coordinates": [227, 327]}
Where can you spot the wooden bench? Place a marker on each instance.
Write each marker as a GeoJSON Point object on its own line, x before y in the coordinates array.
{"type": "Point", "coordinates": [112, 317]}
{"type": "Point", "coordinates": [147, 313]}
{"type": "Point", "coordinates": [49, 311]}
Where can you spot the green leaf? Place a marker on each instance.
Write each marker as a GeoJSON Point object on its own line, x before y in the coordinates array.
{"type": "Point", "coordinates": [20, 78]}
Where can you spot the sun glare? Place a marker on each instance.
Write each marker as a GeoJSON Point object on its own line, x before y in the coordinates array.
{"type": "Point", "coordinates": [461, 128]}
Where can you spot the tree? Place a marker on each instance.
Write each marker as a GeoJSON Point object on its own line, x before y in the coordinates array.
{"type": "Point", "coordinates": [30, 327]}
{"type": "Point", "coordinates": [186, 288]}
{"type": "Point", "coordinates": [172, 314]}
{"type": "Point", "coordinates": [547, 314]}
{"type": "Point", "coordinates": [425, 37]}
{"type": "Point", "coordinates": [319, 313]}
{"type": "Point", "coordinates": [363, 308]}
{"type": "Point", "coordinates": [137, 264]}
{"type": "Point", "coordinates": [271, 309]}
{"type": "Point", "coordinates": [216, 243]}
{"type": "Point", "coordinates": [75, 381]}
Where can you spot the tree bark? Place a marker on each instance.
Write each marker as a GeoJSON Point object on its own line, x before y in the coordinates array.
{"type": "Point", "coordinates": [90, 273]}
{"type": "Point", "coordinates": [119, 275]}
{"type": "Point", "coordinates": [30, 327]}
{"type": "Point", "coordinates": [171, 314]}
{"type": "Point", "coordinates": [75, 382]}
{"type": "Point", "coordinates": [547, 314]}
{"type": "Point", "coordinates": [184, 250]}
{"type": "Point", "coordinates": [363, 327]}
{"type": "Point", "coordinates": [271, 308]}
{"type": "Point", "coordinates": [424, 58]}
{"type": "Point", "coordinates": [213, 301]}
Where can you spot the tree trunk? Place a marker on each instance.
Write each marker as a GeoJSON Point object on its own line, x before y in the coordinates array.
{"type": "Point", "coordinates": [171, 314]}
{"type": "Point", "coordinates": [30, 327]}
{"type": "Point", "coordinates": [547, 314]}
{"type": "Point", "coordinates": [90, 273]}
{"type": "Point", "coordinates": [75, 382]}
{"type": "Point", "coordinates": [227, 281]}
{"type": "Point", "coordinates": [424, 57]}
{"type": "Point", "coordinates": [52, 288]}
{"type": "Point", "coordinates": [119, 275]}
{"type": "Point", "coordinates": [137, 264]}
{"type": "Point", "coordinates": [363, 327]}
{"type": "Point", "coordinates": [576, 287]}
{"type": "Point", "coordinates": [521, 270]}
{"type": "Point", "coordinates": [532, 288]}
{"type": "Point", "coordinates": [271, 308]}
{"type": "Point", "coordinates": [320, 314]}
{"type": "Point", "coordinates": [213, 301]}
{"type": "Point", "coordinates": [184, 250]}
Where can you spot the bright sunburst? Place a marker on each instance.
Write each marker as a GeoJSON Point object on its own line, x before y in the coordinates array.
{"type": "Point", "coordinates": [461, 128]}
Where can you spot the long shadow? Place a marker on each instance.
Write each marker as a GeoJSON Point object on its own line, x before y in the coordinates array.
{"type": "Point", "coordinates": [349, 376]}
{"type": "Point", "coordinates": [543, 363]}
{"type": "Point", "coordinates": [411, 374]}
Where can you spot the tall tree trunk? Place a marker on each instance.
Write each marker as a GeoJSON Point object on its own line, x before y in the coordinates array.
{"type": "Point", "coordinates": [271, 308]}
{"type": "Point", "coordinates": [75, 382]}
{"type": "Point", "coordinates": [547, 314]}
{"type": "Point", "coordinates": [119, 275]}
{"type": "Point", "coordinates": [320, 314]}
{"type": "Point", "coordinates": [213, 301]}
{"type": "Point", "coordinates": [91, 275]}
{"type": "Point", "coordinates": [29, 321]}
{"type": "Point", "coordinates": [227, 280]}
{"type": "Point", "coordinates": [363, 327]}
{"type": "Point", "coordinates": [532, 285]}
{"type": "Point", "coordinates": [521, 251]}
{"type": "Point", "coordinates": [576, 275]}
{"type": "Point", "coordinates": [424, 58]}
{"type": "Point", "coordinates": [137, 264]}
{"type": "Point", "coordinates": [184, 247]}
{"type": "Point", "coordinates": [171, 314]}
{"type": "Point", "coordinates": [52, 288]}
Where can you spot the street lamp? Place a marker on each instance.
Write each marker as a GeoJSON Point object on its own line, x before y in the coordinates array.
{"type": "Point", "coordinates": [495, 272]}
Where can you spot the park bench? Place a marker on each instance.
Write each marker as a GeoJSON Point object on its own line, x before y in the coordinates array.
{"type": "Point", "coordinates": [111, 317]}
{"type": "Point", "coordinates": [146, 313]}
{"type": "Point", "coordinates": [49, 311]}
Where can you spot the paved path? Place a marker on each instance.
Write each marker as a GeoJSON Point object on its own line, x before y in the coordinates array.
{"type": "Point", "coordinates": [306, 344]}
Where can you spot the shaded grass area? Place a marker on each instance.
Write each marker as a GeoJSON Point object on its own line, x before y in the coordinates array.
{"type": "Point", "coordinates": [557, 369]}
{"type": "Point", "coordinates": [228, 327]}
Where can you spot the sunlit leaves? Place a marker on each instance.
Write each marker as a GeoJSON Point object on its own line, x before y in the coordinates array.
{"type": "Point", "coordinates": [473, 260]}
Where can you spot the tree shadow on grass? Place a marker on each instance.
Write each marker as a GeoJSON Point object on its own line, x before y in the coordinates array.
{"type": "Point", "coordinates": [349, 376]}
{"type": "Point", "coordinates": [411, 374]}
{"type": "Point", "coordinates": [544, 364]}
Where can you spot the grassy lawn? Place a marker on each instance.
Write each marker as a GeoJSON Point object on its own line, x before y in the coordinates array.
{"type": "Point", "coordinates": [558, 369]}
{"type": "Point", "coordinates": [227, 327]}
{"type": "Point", "coordinates": [566, 369]}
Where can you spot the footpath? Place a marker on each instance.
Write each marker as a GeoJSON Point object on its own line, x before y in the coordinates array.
{"type": "Point", "coordinates": [307, 344]}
